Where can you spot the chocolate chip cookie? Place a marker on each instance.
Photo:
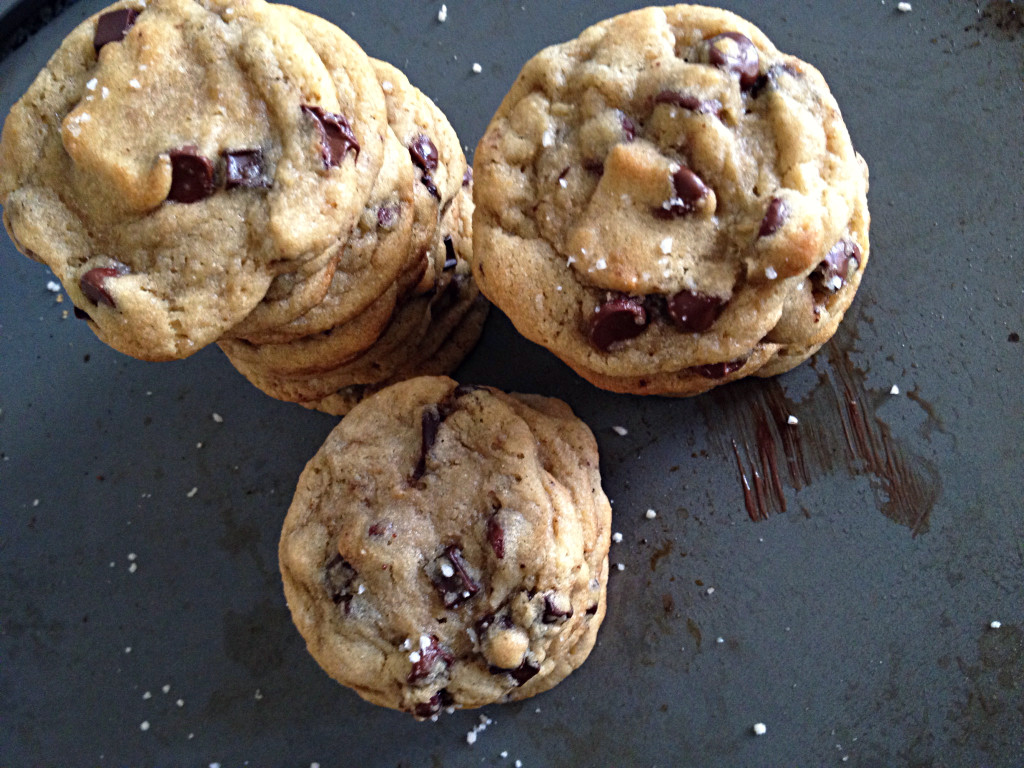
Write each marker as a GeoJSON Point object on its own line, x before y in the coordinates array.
{"type": "Point", "coordinates": [447, 547]}
{"type": "Point", "coordinates": [174, 157]}
{"type": "Point", "coordinates": [668, 203]}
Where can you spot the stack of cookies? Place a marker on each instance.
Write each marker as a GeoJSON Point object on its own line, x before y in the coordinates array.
{"type": "Point", "coordinates": [669, 203]}
{"type": "Point", "coordinates": [242, 172]}
{"type": "Point", "coordinates": [459, 558]}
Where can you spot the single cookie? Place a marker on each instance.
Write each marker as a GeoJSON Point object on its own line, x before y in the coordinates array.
{"type": "Point", "coordinates": [458, 558]}
{"type": "Point", "coordinates": [668, 202]}
{"type": "Point", "coordinates": [174, 156]}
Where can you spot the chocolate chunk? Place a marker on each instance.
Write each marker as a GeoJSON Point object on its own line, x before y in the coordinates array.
{"type": "Point", "coordinates": [81, 314]}
{"type": "Point", "coordinates": [244, 168]}
{"type": "Point", "coordinates": [718, 370]}
{"type": "Point", "coordinates": [830, 275]}
{"type": "Point", "coordinates": [380, 528]}
{"type": "Point", "coordinates": [1013, 338]}
{"type": "Point", "coordinates": [111, 27]}
{"type": "Point", "coordinates": [437, 702]}
{"type": "Point", "coordinates": [689, 189]}
{"type": "Point", "coordinates": [734, 52]}
{"type": "Point", "coordinates": [450, 259]}
{"type": "Point", "coordinates": [557, 608]}
{"type": "Point", "coordinates": [191, 175]}
{"type": "Point", "coordinates": [618, 319]}
{"type": "Point", "coordinates": [387, 215]}
{"type": "Point", "coordinates": [628, 128]}
{"type": "Point", "coordinates": [451, 576]}
{"type": "Point", "coordinates": [521, 674]}
{"type": "Point", "coordinates": [594, 166]}
{"type": "Point", "coordinates": [430, 658]}
{"type": "Point", "coordinates": [430, 421]}
{"type": "Point", "coordinates": [338, 578]}
{"type": "Point", "coordinates": [774, 218]}
{"type": "Point", "coordinates": [92, 283]}
{"type": "Point", "coordinates": [693, 311]}
{"type": "Point", "coordinates": [592, 610]}
{"type": "Point", "coordinates": [467, 177]}
{"type": "Point", "coordinates": [692, 103]}
{"type": "Point", "coordinates": [423, 152]}
{"type": "Point", "coordinates": [496, 536]}
{"type": "Point", "coordinates": [336, 136]}
{"type": "Point", "coordinates": [770, 79]}
{"type": "Point", "coordinates": [428, 182]}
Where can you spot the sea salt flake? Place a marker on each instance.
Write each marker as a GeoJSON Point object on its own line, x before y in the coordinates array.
{"type": "Point", "coordinates": [548, 139]}
{"type": "Point", "coordinates": [447, 571]}
{"type": "Point", "coordinates": [792, 420]}
{"type": "Point", "coordinates": [760, 729]}
{"type": "Point", "coordinates": [650, 514]}
{"type": "Point", "coordinates": [904, 7]}
{"type": "Point", "coordinates": [620, 431]}
{"type": "Point", "coordinates": [666, 245]}
{"type": "Point", "coordinates": [620, 566]}
{"type": "Point", "coordinates": [192, 493]}
{"type": "Point", "coordinates": [53, 286]}
{"type": "Point", "coordinates": [617, 537]}
{"type": "Point", "coordinates": [895, 390]}
{"type": "Point", "coordinates": [414, 656]}
{"type": "Point", "coordinates": [424, 642]}
{"type": "Point", "coordinates": [477, 69]}
{"type": "Point", "coordinates": [996, 624]}
{"type": "Point", "coordinates": [133, 568]}
{"type": "Point", "coordinates": [217, 418]}
{"type": "Point", "coordinates": [600, 264]}
{"type": "Point", "coordinates": [442, 15]}
{"type": "Point", "coordinates": [91, 85]}
{"type": "Point", "coordinates": [770, 273]}
{"type": "Point", "coordinates": [134, 83]}
{"type": "Point", "coordinates": [144, 725]}
{"type": "Point", "coordinates": [166, 689]}
{"type": "Point", "coordinates": [147, 695]}
{"type": "Point", "coordinates": [563, 183]}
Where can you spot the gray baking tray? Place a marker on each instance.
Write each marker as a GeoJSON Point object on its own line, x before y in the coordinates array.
{"type": "Point", "coordinates": [846, 603]}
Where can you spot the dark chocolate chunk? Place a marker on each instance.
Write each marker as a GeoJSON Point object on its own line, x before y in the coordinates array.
{"type": "Point", "coordinates": [830, 275]}
{"type": "Point", "coordinates": [1013, 338]}
{"type": "Point", "coordinates": [427, 709]}
{"type": "Point", "coordinates": [336, 136]}
{"type": "Point", "coordinates": [628, 128]}
{"type": "Point", "coordinates": [81, 314]}
{"type": "Point", "coordinates": [428, 182]}
{"type": "Point", "coordinates": [467, 177]}
{"type": "Point", "coordinates": [594, 166]}
{"type": "Point", "coordinates": [689, 189]}
{"type": "Point", "coordinates": [387, 215]}
{"type": "Point", "coordinates": [557, 608]}
{"type": "Point", "coordinates": [451, 576]}
{"type": "Point", "coordinates": [718, 370]}
{"type": "Point", "coordinates": [191, 176]}
{"type": "Point", "coordinates": [380, 528]}
{"type": "Point", "coordinates": [450, 259]}
{"type": "Point", "coordinates": [618, 319]}
{"type": "Point", "coordinates": [694, 312]}
{"type": "Point", "coordinates": [521, 674]}
{"type": "Point", "coordinates": [734, 52]}
{"type": "Point", "coordinates": [430, 421]}
{"type": "Point", "coordinates": [429, 659]}
{"type": "Point", "coordinates": [774, 218]}
{"type": "Point", "coordinates": [496, 536]}
{"type": "Point", "coordinates": [244, 168]}
{"type": "Point", "coordinates": [770, 79]}
{"type": "Point", "coordinates": [423, 152]}
{"type": "Point", "coordinates": [592, 610]}
{"type": "Point", "coordinates": [92, 283]}
{"type": "Point", "coordinates": [338, 578]}
{"type": "Point", "coordinates": [111, 27]}
{"type": "Point", "coordinates": [692, 103]}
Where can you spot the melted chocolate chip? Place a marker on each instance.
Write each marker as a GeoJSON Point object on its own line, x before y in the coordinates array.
{"type": "Point", "coordinates": [429, 658]}
{"type": "Point", "coordinates": [423, 152]}
{"type": "Point", "coordinates": [694, 312]}
{"type": "Point", "coordinates": [618, 319]}
{"type": "Point", "coordinates": [496, 537]}
{"type": "Point", "coordinates": [628, 128]}
{"type": "Point", "coordinates": [336, 136]}
{"type": "Point", "coordinates": [592, 610]}
{"type": "Point", "coordinates": [521, 674]}
{"type": "Point", "coordinates": [338, 578]}
{"type": "Point", "coordinates": [692, 103]}
{"type": "Point", "coordinates": [430, 422]}
{"type": "Point", "coordinates": [387, 215]}
{"type": "Point", "coordinates": [734, 52]}
{"type": "Point", "coordinates": [191, 176]}
{"type": "Point", "coordinates": [111, 27]}
{"type": "Point", "coordinates": [428, 182]}
{"type": "Point", "coordinates": [718, 370]}
{"type": "Point", "coordinates": [770, 79]}
{"type": "Point", "coordinates": [437, 702]}
{"type": "Point", "coordinates": [450, 259]}
{"type": "Point", "coordinates": [244, 168]}
{"type": "Point", "coordinates": [467, 177]}
{"type": "Point", "coordinates": [81, 314]}
{"type": "Point", "coordinates": [92, 284]}
{"type": "Point", "coordinates": [450, 575]}
{"type": "Point", "coordinates": [689, 190]}
{"type": "Point", "coordinates": [556, 608]}
{"type": "Point", "coordinates": [774, 218]}
{"type": "Point", "coordinates": [830, 275]}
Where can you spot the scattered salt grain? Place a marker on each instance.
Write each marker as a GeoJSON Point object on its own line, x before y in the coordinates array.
{"type": "Point", "coordinates": [146, 696]}
{"type": "Point", "coordinates": [617, 537]}
{"type": "Point", "coordinates": [620, 566]}
{"type": "Point", "coordinates": [600, 264]}
{"type": "Point", "coordinates": [442, 15]}
{"type": "Point", "coordinates": [53, 286]}
{"type": "Point", "coordinates": [666, 245]}
{"type": "Point", "coordinates": [424, 642]}
{"type": "Point", "coordinates": [447, 571]}
{"type": "Point", "coordinates": [792, 421]}
{"type": "Point", "coordinates": [414, 656]}
{"type": "Point", "coordinates": [895, 390]}
{"type": "Point", "coordinates": [650, 514]}
{"type": "Point", "coordinates": [166, 689]}
{"type": "Point", "coordinates": [91, 85]}
{"type": "Point", "coordinates": [563, 183]}
{"type": "Point", "coordinates": [133, 568]}
{"type": "Point", "coordinates": [519, 764]}
{"type": "Point", "coordinates": [144, 725]}
{"type": "Point", "coordinates": [548, 139]}
{"type": "Point", "coordinates": [996, 624]}
{"type": "Point", "coordinates": [192, 493]}
{"type": "Point", "coordinates": [477, 69]}
{"type": "Point", "coordinates": [770, 273]}
{"type": "Point", "coordinates": [180, 702]}
{"type": "Point", "coordinates": [217, 418]}
{"type": "Point", "coordinates": [134, 83]}
{"type": "Point", "coordinates": [128, 649]}
{"type": "Point", "coordinates": [720, 640]}
{"type": "Point", "coordinates": [620, 431]}
{"type": "Point", "coordinates": [904, 7]}
{"type": "Point", "coordinates": [35, 502]}
{"type": "Point", "coordinates": [362, 588]}
{"type": "Point", "coordinates": [104, 92]}
{"type": "Point", "coordinates": [760, 729]}
{"type": "Point", "coordinates": [711, 590]}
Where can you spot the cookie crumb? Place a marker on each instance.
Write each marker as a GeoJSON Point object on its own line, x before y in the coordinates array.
{"type": "Point", "coordinates": [895, 390]}
{"type": "Point", "coordinates": [904, 7]}
{"type": "Point", "coordinates": [217, 418]}
{"type": "Point", "coordinates": [442, 15]}
{"type": "Point", "coordinates": [792, 420]}
{"type": "Point", "coordinates": [477, 69]}
{"type": "Point", "coordinates": [620, 431]}
{"type": "Point", "coordinates": [996, 624]}
{"type": "Point", "coordinates": [650, 514]}
{"type": "Point", "coordinates": [760, 729]}
{"type": "Point", "coordinates": [617, 538]}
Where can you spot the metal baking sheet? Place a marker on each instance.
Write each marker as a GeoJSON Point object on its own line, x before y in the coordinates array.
{"type": "Point", "coordinates": [845, 603]}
